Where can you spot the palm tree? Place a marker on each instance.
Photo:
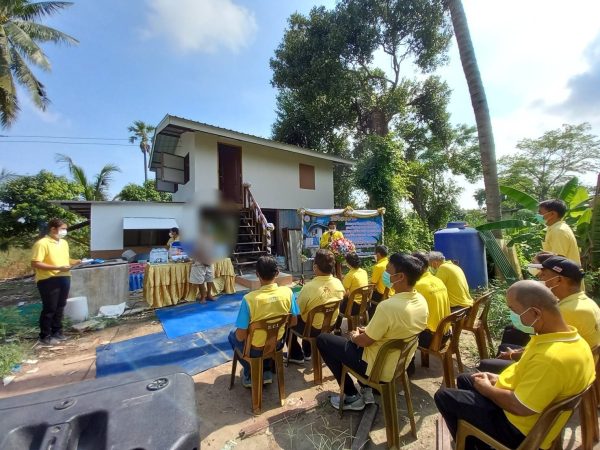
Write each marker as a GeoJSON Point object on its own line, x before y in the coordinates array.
{"type": "Point", "coordinates": [95, 190]}
{"type": "Point", "coordinates": [141, 131]}
{"type": "Point", "coordinates": [20, 35]}
{"type": "Point", "coordinates": [480, 108]}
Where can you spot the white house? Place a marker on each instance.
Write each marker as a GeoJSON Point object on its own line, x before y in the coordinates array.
{"type": "Point", "coordinates": [206, 165]}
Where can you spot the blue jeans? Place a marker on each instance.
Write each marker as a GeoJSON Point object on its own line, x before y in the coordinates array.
{"type": "Point", "coordinates": [235, 344]}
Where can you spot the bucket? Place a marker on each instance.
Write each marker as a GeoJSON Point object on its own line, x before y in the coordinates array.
{"type": "Point", "coordinates": [77, 309]}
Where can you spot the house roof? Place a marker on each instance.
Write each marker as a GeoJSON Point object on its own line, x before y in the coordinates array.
{"type": "Point", "coordinates": [169, 130]}
{"type": "Point", "coordinates": [84, 207]}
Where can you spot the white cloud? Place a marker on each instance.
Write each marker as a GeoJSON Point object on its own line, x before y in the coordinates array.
{"type": "Point", "coordinates": [203, 26]}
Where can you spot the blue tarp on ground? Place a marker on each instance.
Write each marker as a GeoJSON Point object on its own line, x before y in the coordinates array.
{"type": "Point", "coordinates": [193, 317]}
{"type": "Point", "coordinates": [194, 353]}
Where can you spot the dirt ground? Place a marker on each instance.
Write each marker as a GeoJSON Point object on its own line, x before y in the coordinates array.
{"type": "Point", "coordinates": [306, 421]}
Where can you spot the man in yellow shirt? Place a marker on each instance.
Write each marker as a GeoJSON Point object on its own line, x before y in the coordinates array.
{"type": "Point", "coordinates": [454, 279]}
{"type": "Point", "coordinates": [329, 236]}
{"type": "Point", "coordinates": [556, 364]}
{"type": "Point", "coordinates": [267, 302]}
{"type": "Point", "coordinates": [401, 316]}
{"type": "Point", "coordinates": [381, 258]}
{"type": "Point", "coordinates": [354, 279]}
{"type": "Point", "coordinates": [323, 288]}
{"type": "Point", "coordinates": [52, 264]}
{"type": "Point", "coordinates": [559, 239]}
{"type": "Point", "coordinates": [563, 277]}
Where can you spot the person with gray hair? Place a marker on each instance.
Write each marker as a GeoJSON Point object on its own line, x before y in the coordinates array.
{"type": "Point", "coordinates": [556, 364]}
{"type": "Point", "coordinates": [454, 279]}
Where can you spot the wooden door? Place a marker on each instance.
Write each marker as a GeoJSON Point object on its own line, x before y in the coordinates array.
{"type": "Point", "coordinates": [230, 173]}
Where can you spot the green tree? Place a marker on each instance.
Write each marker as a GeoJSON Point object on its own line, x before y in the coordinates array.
{"type": "Point", "coordinates": [487, 147]}
{"type": "Point", "coordinates": [145, 193]}
{"type": "Point", "coordinates": [92, 190]}
{"type": "Point", "coordinates": [26, 205]}
{"type": "Point", "coordinates": [20, 39]}
{"type": "Point", "coordinates": [141, 132]}
{"type": "Point", "coordinates": [332, 97]}
{"type": "Point", "coordinates": [540, 166]}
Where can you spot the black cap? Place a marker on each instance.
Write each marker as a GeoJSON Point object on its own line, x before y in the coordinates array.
{"type": "Point", "coordinates": [564, 267]}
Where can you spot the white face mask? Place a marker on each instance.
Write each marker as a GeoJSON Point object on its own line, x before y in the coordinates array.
{"type": "Point", "coordinates": [62, 233]}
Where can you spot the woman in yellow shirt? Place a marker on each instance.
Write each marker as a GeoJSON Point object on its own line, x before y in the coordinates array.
{"type": "Point", "coordinates": [52, 264]}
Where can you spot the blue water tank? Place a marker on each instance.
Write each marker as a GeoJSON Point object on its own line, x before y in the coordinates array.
{"type": "Point", "coordinates": [462, 244]}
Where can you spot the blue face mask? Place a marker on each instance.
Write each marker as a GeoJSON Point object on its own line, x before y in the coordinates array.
{"type": "Point", "coordinates": [519, 325]}
{"type": "Point", "coordinates": [387, 280]}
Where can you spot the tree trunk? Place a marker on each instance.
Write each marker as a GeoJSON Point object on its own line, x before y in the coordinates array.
{"type": "Point", "coordinates": [145, 166]}
{"type": "Point", "coordinates": [480, 108]}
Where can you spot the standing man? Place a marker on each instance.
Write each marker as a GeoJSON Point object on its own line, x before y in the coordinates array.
{"type": "Point", "coordinates": [556, 364]}
{"type": "Point", "coordinates": [559, 239]}
{"type": "Point", "coordinates": [454, 279]}
{"type": "Point", "coordinates": [401, 316]}
{"type": "Point", "coordinates": [330, 235]}
{"type": "Point", "coordinates": [173, 237]}
{"type": "Point", "coordinates": [52, 264]}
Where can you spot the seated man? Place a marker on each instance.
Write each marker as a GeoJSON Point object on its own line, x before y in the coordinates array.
{"type": "Point", "coordinates": [401, 316]}
{"type": "Point", "coordinates": [381, 258]}
{"type": "Point", "coordinates": [436, 295]}
{"type": "Point", "coordinates": [323, 288]}
{"type": "Point", "coordinates": [354, 279]}
{"type": "Point", "coordinates": [556, 364]}
{"type": "Point", "coordinates": [563, 277]}
{"type": "Point", "coordinates": [454, 279]}
{"type": "Point", "coordinates": [269, 301]}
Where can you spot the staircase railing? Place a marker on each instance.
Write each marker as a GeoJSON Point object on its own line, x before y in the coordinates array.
{"type": "Point", "coordinates": [263, 227]}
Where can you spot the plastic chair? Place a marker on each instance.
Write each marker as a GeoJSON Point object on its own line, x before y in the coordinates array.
{"type": "Point", "coordinates": [387, 389]}
{"type": "Point", "coordinates": [354, 320]}
{"type": "Point", "coordinates": [476, 323]}
{"type": "Point", "coordinates": [444, 350]}
{"type": "Point", "coordinates": [536, 435]}
{"type": "Point", "coordinates": [588, 409]}
{"type": "Point", "coordinates": [327, 310]}
{"type": "Point", "coordinates": [271, 327]}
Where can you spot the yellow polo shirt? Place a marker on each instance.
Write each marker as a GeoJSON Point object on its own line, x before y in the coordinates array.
{"type": "Point", "coordinates": [561, 241]}
{"type": "Point", "coordinates": [269, 301]}
{"type": "Point", "coordinates": [328, 237]}
{"type": "Point", "coordinates": [401, 316]}
{"type": "Point", "coordinates": [456, 283]}
{"type": "Point", "coordinates": [554, 366]}
{"type": "Point", "coordinates": [318, 291]}
{"type": "Point", "coordinates": [436, 295]}
{"type": "Point", "coordinates": [377, 275]}
{"type": "Point", "coordinates": [354, 279]}
{"type": "Point", "coordinates": [53, 252]}
{"type": "Point", "coordinates": [583, 313]}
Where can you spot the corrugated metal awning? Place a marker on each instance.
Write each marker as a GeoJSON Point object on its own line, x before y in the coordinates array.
{"type": "Point", "coordinates": [148, 223]}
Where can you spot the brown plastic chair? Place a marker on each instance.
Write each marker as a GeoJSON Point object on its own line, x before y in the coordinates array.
{"type": "Point", "coordinates": [327, 310]}
{"type": "Point", "coordinates": [476, 323]}
{"type": "Point", "coordinates": [271, 327]}
{"type": "Point", "coordinates": [588, 409]}
{"type": "Point", "coordinates": [365, 302]}
{"type": "Point", "coordinates": [444, 350]}
{"type": "Point", "coordinates": [387, 390]}
{"type": "Point", "coordinates": [536, 435]}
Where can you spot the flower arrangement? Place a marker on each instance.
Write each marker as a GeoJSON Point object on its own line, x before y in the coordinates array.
{"type": "Point", "coordinates": [341, 247]}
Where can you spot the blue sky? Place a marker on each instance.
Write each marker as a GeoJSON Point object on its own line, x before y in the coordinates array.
{"type": "Point", "coordinates": [208, 60]}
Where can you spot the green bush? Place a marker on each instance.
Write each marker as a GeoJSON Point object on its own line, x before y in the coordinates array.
{"type": "Point", "coordinates": [10, 355]}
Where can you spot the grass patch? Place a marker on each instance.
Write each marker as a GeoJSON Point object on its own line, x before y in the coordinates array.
{"type": "Point", "coordinates": [15, 262]}
{"type": "Point", "coordinates": [10, 355]}
{"type": "Point", "coordinates": [20, 322]}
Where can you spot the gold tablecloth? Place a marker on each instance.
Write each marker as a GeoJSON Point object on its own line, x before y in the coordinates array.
{"type": "Point", "coordinates": [168, 284]}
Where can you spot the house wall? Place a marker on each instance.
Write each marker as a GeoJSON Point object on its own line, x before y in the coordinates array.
{"type": "Point", "coordinates": [273, 174]}
{"type": "Point", "coordinates": [106, 233]}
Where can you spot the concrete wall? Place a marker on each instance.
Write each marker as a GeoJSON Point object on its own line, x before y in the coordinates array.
{"type": "Point", "coordinates": [101, 285]}
{"type": "Point", "coordinates": [273, 174]}
{"type": "Point", "coordinates": [107, 221]}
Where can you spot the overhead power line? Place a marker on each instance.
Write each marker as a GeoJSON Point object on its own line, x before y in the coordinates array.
{"type": "Point", "coordinates": [62, 137]}
{"type": "Point", "coordinates": [65, 143]}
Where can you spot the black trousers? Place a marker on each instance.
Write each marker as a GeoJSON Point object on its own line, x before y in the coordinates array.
{"type": "Point", "coordinates": [497, 365]}
{"type": "Point", "coordinates": [54, 292]}
{"type": "Point", "coordinates": [375, 297]}
{"type": "Point", "coordinates": [469, 405]}
{"type": "Point", "coordinates": [337, 351]}
{"type": "Point", "coordinates": [354, 311]}
{"type": "Point", "coordinates": [297, 351]}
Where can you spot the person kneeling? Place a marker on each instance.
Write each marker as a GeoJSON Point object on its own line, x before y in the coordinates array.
{"type": "Point", "coordinates": [403, 315]}
{"type": "Point", "coordinates": [556, 364]}
{"type": "Point", "coordinates": [267, 302]}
